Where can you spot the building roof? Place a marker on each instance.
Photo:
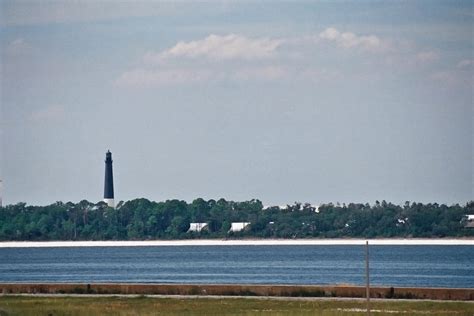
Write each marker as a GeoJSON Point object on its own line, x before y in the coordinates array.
{"type": "Point", "coordinates": [238, 226]}
{"type": "Point", "coordinates": [197, 227]}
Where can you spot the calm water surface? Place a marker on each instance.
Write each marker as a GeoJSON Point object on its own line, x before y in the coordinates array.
{"type": "Point", "coordinates": [423, 266]}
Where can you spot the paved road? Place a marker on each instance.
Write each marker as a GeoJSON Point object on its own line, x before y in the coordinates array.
{"type": "Point", "coordinates": [217, 297]}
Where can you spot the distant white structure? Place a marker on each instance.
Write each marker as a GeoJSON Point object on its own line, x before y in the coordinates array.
{"type": "Point", "coordinates": [469, 220]}
{"type": "Point", "coordinates": [281, 207]}
{"type": "Point", "coordinates": [237, 227]}
{"type": "Point", "coordinates": [197, 227]}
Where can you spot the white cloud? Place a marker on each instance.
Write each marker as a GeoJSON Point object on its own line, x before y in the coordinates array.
{"type": "Point", "coordinates": [237, 54]}
{"type": "Point", "coordinates": [351, 40]}
{"type": "Point", "coordinates": [330, 34]}
{"type": "Point", "coordinates": [242, 58]}
{"type": "Point", "coordinates": [50, 113]}
{"type": "Point", "coordinates": [466, 63]}
{"type": "Point", "coordinates": [218, 47]}
{"type": "Point", "coordinates": [427, 56]}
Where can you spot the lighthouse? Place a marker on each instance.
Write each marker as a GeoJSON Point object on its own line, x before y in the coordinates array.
{"type": "Point", "coordinates": [109, 181]}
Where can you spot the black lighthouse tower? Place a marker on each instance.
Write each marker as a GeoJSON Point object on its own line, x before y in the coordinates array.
{"type": "Point", "coordinates": [109, 181]}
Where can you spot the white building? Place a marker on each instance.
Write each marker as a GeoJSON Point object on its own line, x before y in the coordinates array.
{"type": "Point", "coordinates": [469, 220]}
{"type": "Point", "coordinates": [239, 226]}
{"type": "Point", "coordinates": [197, 227]}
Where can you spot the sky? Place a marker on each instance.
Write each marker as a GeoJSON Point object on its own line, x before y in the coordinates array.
{"type": "Point", "coordinates": [308, 101]}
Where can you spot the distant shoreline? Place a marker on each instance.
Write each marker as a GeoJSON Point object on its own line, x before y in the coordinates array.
{"type": "Point", "coordinates": [238, 242]}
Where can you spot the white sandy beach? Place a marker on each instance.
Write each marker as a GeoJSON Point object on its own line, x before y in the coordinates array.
{"type": "Point", "coordinates": [242, 242]}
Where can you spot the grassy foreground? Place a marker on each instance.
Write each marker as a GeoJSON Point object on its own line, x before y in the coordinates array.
{"type": "Point", "coordinates": [22, 305]}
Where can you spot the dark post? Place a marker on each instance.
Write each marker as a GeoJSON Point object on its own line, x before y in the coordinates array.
{"type": "Point", "coordinates": [367, 277]}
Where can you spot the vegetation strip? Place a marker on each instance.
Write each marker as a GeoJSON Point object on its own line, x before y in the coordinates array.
{"type": "Point", "coordinates": [26, 306]}
{"type": "Point", "coordinates": [141, 219]}
{"type": "Point", "coordinates": [241, 290]}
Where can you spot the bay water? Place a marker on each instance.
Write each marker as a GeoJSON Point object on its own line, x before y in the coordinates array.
{"type": "Point", "coordinates": [390, 265]}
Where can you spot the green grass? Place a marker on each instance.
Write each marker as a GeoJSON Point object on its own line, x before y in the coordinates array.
{"type": "Point", "coordinates": [25, 306]}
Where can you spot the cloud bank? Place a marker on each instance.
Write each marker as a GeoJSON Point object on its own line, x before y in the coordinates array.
{"type": "Point", "coordinates": [351, 40]}
{"type": "Point", "coordinates": [236, 57]}
{"type": "Point", "coordinates": [218, 47]}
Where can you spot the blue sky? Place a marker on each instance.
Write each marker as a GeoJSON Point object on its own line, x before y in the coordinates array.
{"type": "Point", "coordinates": [281, 101]}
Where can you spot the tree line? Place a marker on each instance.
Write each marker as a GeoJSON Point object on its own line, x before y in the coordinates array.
{"type": "Point", "coordinates": [141, 219]}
